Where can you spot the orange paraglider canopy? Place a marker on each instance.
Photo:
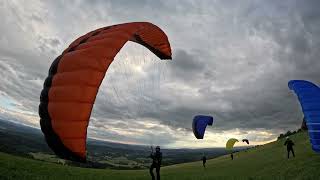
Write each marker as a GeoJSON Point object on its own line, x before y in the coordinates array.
{"type": "Point", "coordinates": [74, 78]}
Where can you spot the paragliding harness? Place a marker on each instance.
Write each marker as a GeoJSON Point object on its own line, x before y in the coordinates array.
{"type": "Point", "coordinates": [156, 163]}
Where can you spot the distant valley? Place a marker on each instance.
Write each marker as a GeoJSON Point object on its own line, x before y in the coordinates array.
{"type": "Point", "coordinates": [29, 142]}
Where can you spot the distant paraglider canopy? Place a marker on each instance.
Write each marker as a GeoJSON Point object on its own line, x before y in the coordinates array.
{"type": "Point", "coordinates": [230, 143]}
{"type": "Point", "coordinates": [74, 79]}
{"type": "Point", "coordinates": [309, 98]}
{"type": "Point", "coordinates": [199, 124]}
{"type": "Point", "coordinates": [245, 140]}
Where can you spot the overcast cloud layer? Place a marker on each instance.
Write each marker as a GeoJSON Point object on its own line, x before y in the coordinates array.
{"type": "Point", "coordinates": [231, 59]}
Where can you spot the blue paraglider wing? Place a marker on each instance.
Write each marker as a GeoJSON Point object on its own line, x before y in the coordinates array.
{"type": "Point", "coordinates": [309, 98]}
{"type": "Point", "coordinates": [245, 140]}
{"type": "Point", "coordinates": [199, 125]}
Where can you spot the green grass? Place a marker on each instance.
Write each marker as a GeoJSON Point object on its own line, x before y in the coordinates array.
{"type": "Point", "coordinates": [265, 162]}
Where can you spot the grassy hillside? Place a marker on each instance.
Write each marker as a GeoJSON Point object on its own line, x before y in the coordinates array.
{"type": "Point", "coordinates": [265, 162]}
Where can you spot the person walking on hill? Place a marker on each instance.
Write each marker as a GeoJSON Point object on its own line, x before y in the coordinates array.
{"type": "Point", "coordinates": [204, 160]}
{"type": "Point", "coordinates": [156, 162]}
{"type": "Point", "coordinates": [289, 143]}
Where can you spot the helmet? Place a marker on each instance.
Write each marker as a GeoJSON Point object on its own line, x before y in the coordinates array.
{"type": "Point", "coordinates": [158, 147]}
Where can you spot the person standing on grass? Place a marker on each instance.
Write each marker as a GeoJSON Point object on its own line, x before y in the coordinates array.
{"type": "Point", "coordinates": [204, 160]}
{"type": "Point", "coordinates": [289, 143]}
{"type": "Point", "coordinates": [231, 156]}
{"type": "Point", "coordinates": [156, 162]}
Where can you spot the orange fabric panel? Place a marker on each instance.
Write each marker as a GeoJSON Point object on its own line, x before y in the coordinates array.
{"type": "Point", "coordinates": [73, 94]}
{"type": "Point", "coordinates": [77, 145]}
{"type": "Point", "coordinates": [88, 78]}
{"type": "Point", "coordinates": [153, 35]}
{"type": "Point", "coordinates": [110, 35]}
{"type": "Point", "coordinates": [78, 40]}
{"type": "Point", "coordinates": [108, 43]}
{"type": "Point", "coordinates": [69, 111]}
{"type": "Point", "coordinates": [72, 129]}
{"type": "Point", "coordinates": [128, 27]}
{"type": "Point", "coordinates": [79, 60]}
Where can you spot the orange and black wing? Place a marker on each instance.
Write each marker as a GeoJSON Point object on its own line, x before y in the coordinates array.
{"type": "Point", "coordinates": [75, 76]}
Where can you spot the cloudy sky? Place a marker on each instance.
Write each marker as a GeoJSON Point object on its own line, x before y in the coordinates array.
{"type": "Point", "coordinates": [231, 60]}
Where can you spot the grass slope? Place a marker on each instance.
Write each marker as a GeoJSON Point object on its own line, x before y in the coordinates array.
{"type": "Point", "coordinates": [265, 162]}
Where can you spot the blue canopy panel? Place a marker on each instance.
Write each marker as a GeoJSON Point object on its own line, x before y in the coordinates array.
{"type": "Point", "coordinates": [309, 98]}
{"type": "Point", "coordinates": [199, 125]}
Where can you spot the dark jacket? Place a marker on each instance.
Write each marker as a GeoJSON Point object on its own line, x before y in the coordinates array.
{"type": "Point", "coordinates": [156, 158]}
{"type": "Point", "coordinates": [289, 144]}
{"type": "Point", "coordinates": [204, 159]}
